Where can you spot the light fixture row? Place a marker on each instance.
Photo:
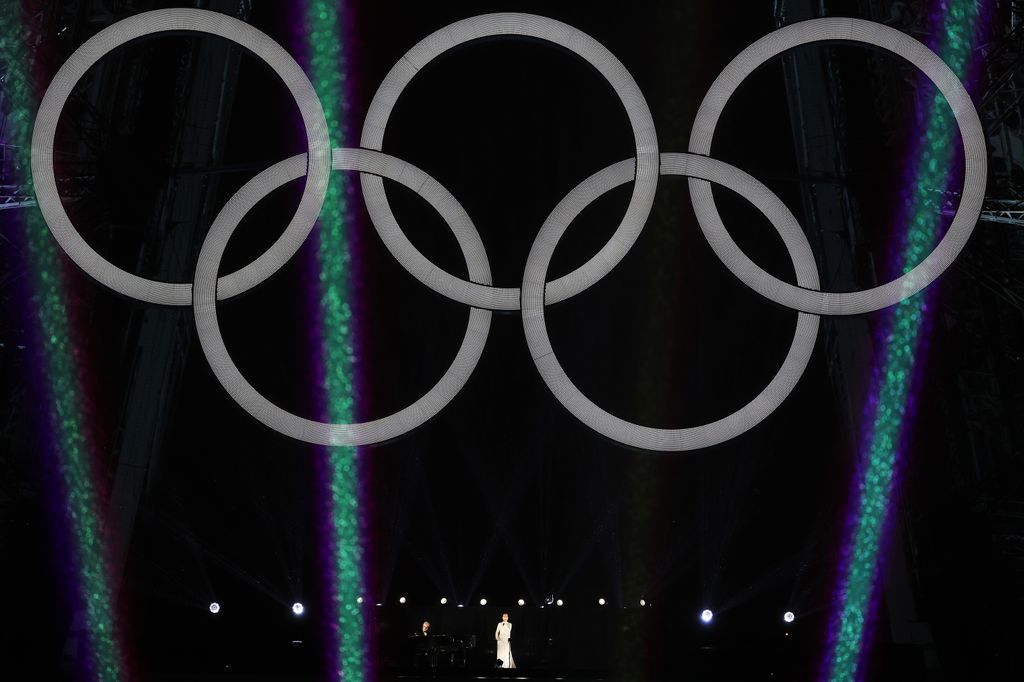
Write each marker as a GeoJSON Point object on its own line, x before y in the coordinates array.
{"type": "Point", "coordinates": [706, 616]}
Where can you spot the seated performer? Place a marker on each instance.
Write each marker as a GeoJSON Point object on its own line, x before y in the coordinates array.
{"type": "Point", "coordinates": [425, 650]}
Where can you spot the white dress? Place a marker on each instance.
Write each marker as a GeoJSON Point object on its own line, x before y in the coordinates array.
{"type": "Point", "coordinates": [502, 634]}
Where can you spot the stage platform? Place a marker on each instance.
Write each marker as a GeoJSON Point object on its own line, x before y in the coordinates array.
{"type": "Point", "coordinates": [418, 676]}
{"type": "Point", "coordinates": [538, 675]}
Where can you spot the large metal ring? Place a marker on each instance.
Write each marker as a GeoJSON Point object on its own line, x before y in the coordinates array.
{"type": "Point", "coordinates": [477, 293]}
{"type": "Point", "coordinates": [251, 400]}
{"type": "Point", "coordinates": [856, 302]}
{"type": "Point", "coordinates": [629, 433]}
{"type": "Point", "coordinates": [199, 21]}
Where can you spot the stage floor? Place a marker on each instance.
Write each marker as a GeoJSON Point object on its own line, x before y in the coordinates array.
{"type": "Point", "coordinates": [540, 675]}
{"type": "Point", "coordinates": [467, 674]}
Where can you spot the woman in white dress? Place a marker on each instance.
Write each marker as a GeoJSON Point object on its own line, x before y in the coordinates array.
{"type": "Point", "coordinates": [503, 634]}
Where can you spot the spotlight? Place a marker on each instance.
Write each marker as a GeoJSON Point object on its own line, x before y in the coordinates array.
{"type": "Point", "coordinates": [559, 602]}
{"type": "Point", "coordinates": [214, 607]}
{"type": "Point", "coordinates": [379, 604]}
{"type": "Point", "coordinates": [788, 617]}
{"type": "Point", "coordinates": [359, 600]}
{"type": "Point", "coordinates": [298, 608]}
{"type": "Point", "coordinates": [460, 606]}
{"type": "Point", "coordinates": [522, 602]}
{"type": "Point", "coordinates": [643, 602]}
{"type": "Point", "coordinates": [601, 601]}
{"type": "Point", "coordinates": [483, 602]}
{"type": "Point", "coordinates": [444, 600]}
{"type": "Point", "coordinates": [706, 615]}
{"type": "Point", "coordinates": [401, 600]}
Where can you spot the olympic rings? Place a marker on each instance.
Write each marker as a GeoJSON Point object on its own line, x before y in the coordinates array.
{"type": "Point", "coordinates": [534, 293]}
{"type": "Point", "coordinates": [975, 177]}
{"type": "Point", "coordinates": [199, 21]}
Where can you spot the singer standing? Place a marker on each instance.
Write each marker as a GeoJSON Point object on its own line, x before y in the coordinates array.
{"type": "Point", "coordinates": [503, 634]}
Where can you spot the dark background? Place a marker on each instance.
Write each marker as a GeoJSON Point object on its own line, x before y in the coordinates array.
{"type": "Point", "coordinates": [504, 494]}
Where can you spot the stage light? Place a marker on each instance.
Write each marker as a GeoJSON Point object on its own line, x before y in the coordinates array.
{"type": "Point", "coordinates": [483, 602]}
{"type": "Point", "coordinates": [559, 602]}
{"type": "Point", "coordinates": [643, 602]}
{"type": "Point", "coordinates": [522, 602]}
{"type": "Point", "coordinates": [601, 601]}
{"type": "Point", "coordinates": [788, 617]}
{"type": "Point", "coordinates": [298, 608]}
{"type": "Point", "coordinates": [214, 607]}
{"type": "Point", "coordinates": [460, 606]}
{"type": "Point", "coordinates": [401, 600]}
{"type": "Point", "coordinates": [706, 615]}
{"type": "Point", "coordinates": [444, 600]}
{"type": "Point", "coordinates": [359, 600]}
{"type": "Point", "coordinates": [379, 604]}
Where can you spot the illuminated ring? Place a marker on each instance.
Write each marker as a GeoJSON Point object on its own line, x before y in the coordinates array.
{"type": "Point", "coordinates": [204, 290]}
{"type": "Point", "coordinates": [477, 293]}
{"type": "Point", "coordinates": [975, 176]}
{"type": "Point", "coordinates": [645, 437]}
{"type": "Point", "coordinates": [138, 26]}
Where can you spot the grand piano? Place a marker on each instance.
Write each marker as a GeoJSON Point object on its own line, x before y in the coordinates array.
{"type": "Point", "coordinates": [432, 651]}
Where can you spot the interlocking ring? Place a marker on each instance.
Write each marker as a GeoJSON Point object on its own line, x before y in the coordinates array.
{"type": "Point", "coordinates": [975, 158]}
{"type": "Point", "coordinates": [161, 21]}
{"type": "Point", "coordinates": [646, 437]}
{"type": "Point", "coordinates": [534, 293]}
{"type": "Point", "coordinates": [555, 32]}
{"type": "Point", "coordinates": [367, 161]}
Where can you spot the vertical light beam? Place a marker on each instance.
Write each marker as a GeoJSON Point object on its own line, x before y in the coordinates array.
{"type": "Point", "coordinates": [55, 376]}
{"type": "Point", "coordinates": [888, 405]}
{"type": "Point", "coordinates": [339, 467]}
